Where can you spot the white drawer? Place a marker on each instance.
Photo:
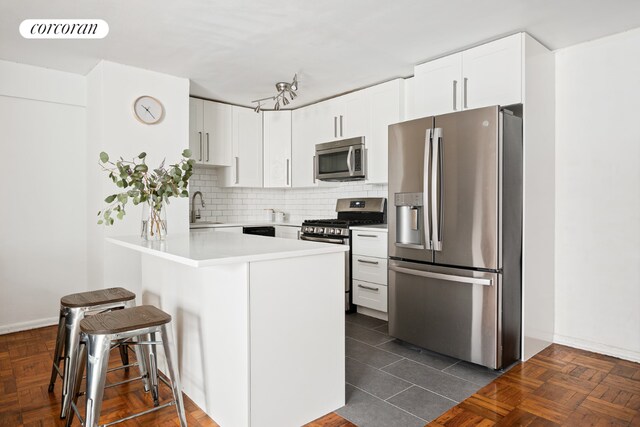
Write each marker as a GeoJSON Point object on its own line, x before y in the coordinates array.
{"type": "Point", "coordinates": [370, 295]}
{"type": "Point", "coordinates": [370, 243]}
{"type": "Point", "coordinates": [370, 269]}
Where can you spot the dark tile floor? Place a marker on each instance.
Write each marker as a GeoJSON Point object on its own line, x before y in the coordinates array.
{"type": "Point", "coordinates": [394, 384]}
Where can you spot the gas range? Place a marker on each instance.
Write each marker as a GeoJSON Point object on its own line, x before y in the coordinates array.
{"type": "Point", "coordinates": [351, 212]}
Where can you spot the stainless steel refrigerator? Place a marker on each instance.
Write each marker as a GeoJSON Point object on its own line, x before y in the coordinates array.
{"type": "Point", "coordinates": [455, 234]}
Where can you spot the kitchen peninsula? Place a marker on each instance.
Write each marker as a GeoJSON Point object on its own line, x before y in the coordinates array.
{"type": "Point", "coordinates": [259, 323]}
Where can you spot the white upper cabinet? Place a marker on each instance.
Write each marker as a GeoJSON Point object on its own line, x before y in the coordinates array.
{"type": "Point", "coordinates": [210, 132]}
{"type": "Point", "coordinates": [277, 148]}
{"type": "Point", "coordinates": [490, 74]}
{"type": "Point", "coordinates": [437, 87]}
{"type": "Point", "coordinates": [355, 115]}
{"type": "Point", "coordinates": [387, 107]}
{"type": "Point", "coordinates": [304, 137]}
{"type": "Point", "coordinates": [246, 165]}
{"type": "Point", "coordinates": [196, 129]}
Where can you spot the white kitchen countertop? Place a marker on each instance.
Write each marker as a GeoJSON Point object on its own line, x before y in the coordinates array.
{"type": "Point", "coordinates": [245, 224]}
{"type": "Point", "coordinates": [376, 227]}
{"type": "Point", "coordinates": [209, 249]}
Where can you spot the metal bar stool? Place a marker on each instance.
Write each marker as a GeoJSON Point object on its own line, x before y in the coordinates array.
{"type": "Point", "coordinates": [98, 333]}
{"type": "Point", "coordinates": [74, 308]}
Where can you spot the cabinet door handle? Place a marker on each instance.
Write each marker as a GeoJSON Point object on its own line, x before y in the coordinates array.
{"type": "Point", "coordinates": [465, 88]}
{"type": "Point", "coordinates": [237, 169]}
{"type": "Point", "coordinates": [335, 126]}
{"type": "Point", "coordinates": [287, 171]}
{"type": "Point", "coordinates": [200, 133]}
{"type": "Point", "coordinates": [341, 126]}
{"type": "Point", "coordinates": [314, 169]}
{"type": "Point", "coordinates": [208, 149]}
{"type": "Point", "coordinates": [368, 287]}
{"type": "Point", "coordinates": [364, 261]}
{"type": "Point", "coordinates": [367, 235]}
{"type": "Point", "coordinates": [455, 92]}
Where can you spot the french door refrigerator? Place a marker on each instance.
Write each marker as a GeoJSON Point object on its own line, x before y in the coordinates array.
{"type": "Point", "coordinates": [455, 234]}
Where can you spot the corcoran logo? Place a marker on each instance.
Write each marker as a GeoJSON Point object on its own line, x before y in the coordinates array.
{"type": "Point", "coordinates": [64, 29]}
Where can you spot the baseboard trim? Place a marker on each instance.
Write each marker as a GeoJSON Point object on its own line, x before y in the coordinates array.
{"type": "Point", "coordinates": [621, 353]}
{"type": "Point", "coordinates": [25, 326]}
{"type": "Point", "coordinates": [373, 313]}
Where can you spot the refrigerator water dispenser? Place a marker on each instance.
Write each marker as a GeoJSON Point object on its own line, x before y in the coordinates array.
{"type": "Point", "coordinates": [409, 220]}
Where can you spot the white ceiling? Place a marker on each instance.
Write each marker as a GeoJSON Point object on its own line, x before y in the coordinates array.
{"type": "Point", "coordinates": [235, 50]}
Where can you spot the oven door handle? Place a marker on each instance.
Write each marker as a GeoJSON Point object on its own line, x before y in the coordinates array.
{"type": "Point", "coordinates": [324, 240]}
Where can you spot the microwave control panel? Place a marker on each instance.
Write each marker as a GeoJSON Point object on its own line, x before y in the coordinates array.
{"type": "Point", "coordinates": [358, 160]}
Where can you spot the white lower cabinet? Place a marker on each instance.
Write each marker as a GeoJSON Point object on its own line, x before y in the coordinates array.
{"type": "Point", "coordinates": [369, 269]}
{"type": "Point", "coordinates": [370, 295]}
{"type": "Point", "coordinates": [287, 232]}
{"type": "Point", "coordinates": [228, 229]}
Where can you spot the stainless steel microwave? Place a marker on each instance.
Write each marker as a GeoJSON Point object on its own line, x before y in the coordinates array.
{"type": "Point", "coordinates": [344, 160]}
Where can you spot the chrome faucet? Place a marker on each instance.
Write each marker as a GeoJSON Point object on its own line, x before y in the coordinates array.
{"type": "Point", "coordinates": [196, 215]}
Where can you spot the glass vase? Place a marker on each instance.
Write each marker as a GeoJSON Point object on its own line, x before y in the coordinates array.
{"type": "Point", "coordinates": [154, 222]}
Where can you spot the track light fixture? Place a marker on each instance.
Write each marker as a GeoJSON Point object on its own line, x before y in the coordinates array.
{"type": "Point", "coordinates": [283, 89]}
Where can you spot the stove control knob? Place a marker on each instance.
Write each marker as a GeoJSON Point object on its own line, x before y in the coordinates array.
{"type": "Point", "coordinates": [319, 230]}
{"type": "Point", "coordinates": [332, 231]}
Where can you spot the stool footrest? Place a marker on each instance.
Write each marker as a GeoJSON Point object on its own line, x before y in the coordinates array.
{"type": "Point", "coordinates": [148, 411]}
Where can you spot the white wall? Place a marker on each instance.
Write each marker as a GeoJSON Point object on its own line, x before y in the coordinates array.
{"type": "Point", "coordinates": [111, 127]}
{"type": "Point", "coordinates": [43, 211]}
{"type": "Point", "coordinates": [598, 196]}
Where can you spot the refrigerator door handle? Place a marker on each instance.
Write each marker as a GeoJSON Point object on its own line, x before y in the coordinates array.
{"type": "Point", "coordinates": [425, 187]}
{"type": "Point", "coordinates": [436, 182]}
{"type": "Point", "coordinates": [440, 276]}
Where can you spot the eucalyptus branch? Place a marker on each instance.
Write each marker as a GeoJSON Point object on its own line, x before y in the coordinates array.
{"type": "Point", "coordinates": [142, 185]}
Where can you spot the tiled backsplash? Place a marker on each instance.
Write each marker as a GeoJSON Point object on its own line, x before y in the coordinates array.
{"type": "Point", "coordinates": [249, 204]}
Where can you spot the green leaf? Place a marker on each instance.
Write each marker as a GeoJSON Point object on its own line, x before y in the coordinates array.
{"type": "Point", "coordinates": [186, 153]}
{"type": "Point", "coordinates": [142, 155]}
{"type": "Point", "coordinates": [99, 213]}
{"type": "Point", "coordinates": [122, 198]}
{"type": "Point", "coordinates": [110, 199]}
{"type": "Point", "coordinates": [141, 168]}
{"type": "Point", "coordinates": [120, 214]}
{"type": "Point", "coordinates": [104, 157]}
{"type": "Point", "coordinates": [100, 222]}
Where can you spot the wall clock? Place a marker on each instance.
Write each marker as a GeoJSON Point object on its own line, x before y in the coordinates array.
{"type": "Point", "coordinates": [148, 110]}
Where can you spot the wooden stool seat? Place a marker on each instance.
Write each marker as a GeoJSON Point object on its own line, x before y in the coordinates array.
{"type": "Point", "coordinates": [117, 321]}
{"type": "Point", "coordinates": [99, 297]}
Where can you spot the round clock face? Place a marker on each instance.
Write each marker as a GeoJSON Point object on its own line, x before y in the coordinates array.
{"type": "Point", "coordinates": [148, 110]}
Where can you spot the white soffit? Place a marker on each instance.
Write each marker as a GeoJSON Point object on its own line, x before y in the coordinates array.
{"type": "Point", "coordinates": [235, 50]}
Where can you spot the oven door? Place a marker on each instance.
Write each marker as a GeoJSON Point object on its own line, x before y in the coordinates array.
{"type": "Point", "coordinates": [347, 263]}
{"type": "Point", "coordinates": [341, 163]}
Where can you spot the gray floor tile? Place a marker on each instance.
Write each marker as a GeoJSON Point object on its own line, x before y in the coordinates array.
{"type": "Point", "coordinates": [364, 321]}
{"type": "Point", "coordinates": [474, 373]}
{"type": "Point", "coordinates": [368, 354]}
{"type": "Point", "coordinates": [373, 380]}
{"type": "Point", "coordinates": [432, 379]}
{"type": "Point", "coordinates": [368, 336]}
{"type": "Point", "coordinates": [435, 360]}
{"type": "Point", "coordinates": [364, 410]}
{"type": "Point", "coordinates": [423, 403]}
{"type": "Point", "coordinates": [384, 328]}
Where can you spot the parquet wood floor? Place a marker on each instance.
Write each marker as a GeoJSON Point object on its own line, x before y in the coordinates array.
{"type": "Point", "coordinates": [559, 386]}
